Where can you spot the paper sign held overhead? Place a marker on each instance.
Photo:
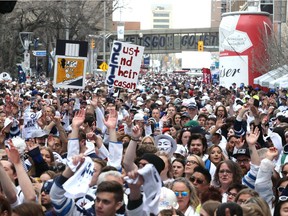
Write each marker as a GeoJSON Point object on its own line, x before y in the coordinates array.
{"type": "Point", "coordinates": [124, 65]}
{"type": "Point", "coordinates": [70, 64]}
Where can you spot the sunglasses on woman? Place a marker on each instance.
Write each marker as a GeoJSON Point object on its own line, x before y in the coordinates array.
{"type": "Point", "coordinates": [182, 193]}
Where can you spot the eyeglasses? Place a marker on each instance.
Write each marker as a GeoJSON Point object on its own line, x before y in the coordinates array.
{"type": "Point", "coordinates": [284, 173]}
{"type": "Point", "coordinates": [280, 189]}
{"type": "Point", "coordinates": [182, 193]}
{"type": "Point", "coordinates": [240, 201]}
{"type": "Point", "coordinates": [225, 171]}
{"type": "Point", "coordinates": [191, 162]}
{"type": "Point", "coordinates": [197, 180]}
{"type": "Point", "coordinates": [231, 194]}
{"type": "Point", "coordinates": [283, 198]}
{"type": "Point", "coordinates": [245, 161]}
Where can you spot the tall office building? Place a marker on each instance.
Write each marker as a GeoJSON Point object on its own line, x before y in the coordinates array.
{"type": "Point", "coordinates": [161, 16]}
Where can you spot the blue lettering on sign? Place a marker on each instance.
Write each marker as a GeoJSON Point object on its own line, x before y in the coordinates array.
{"type": "Point", "coordinates": [188, 41]}
{"type": "Point", "coordinates": [113, 65]}
{"type": "Point", "coordinates": [147, 41]}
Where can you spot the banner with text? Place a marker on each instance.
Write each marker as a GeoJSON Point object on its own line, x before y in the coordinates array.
{"type": "Point", "coordinates": [124, 65]}
{"type": "Point", "coordinates": [69, 72]}
{"type": "Point", "coordinates": [233, 69]}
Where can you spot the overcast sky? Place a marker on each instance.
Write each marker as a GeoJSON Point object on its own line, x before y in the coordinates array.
{"type": "Point", "coordinates": [185, 13]}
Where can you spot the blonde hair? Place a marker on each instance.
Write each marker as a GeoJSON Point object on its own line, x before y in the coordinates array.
{"type": "Point", "coordinates": [194, 200]}
{"type": "Point", "coordinates": [260, 202]}
{"type": "Point", "coordinates": [198, 159]}
{"type": "Point", "coordinates": [252, 209]}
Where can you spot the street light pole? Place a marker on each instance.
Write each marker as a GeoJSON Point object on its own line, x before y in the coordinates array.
{"type": "Point", "coordinates": [104, 32]}
{"type": "Point", "coordinates": [66, 21]}
{"type": "Point", "coordinates": [25, 38]}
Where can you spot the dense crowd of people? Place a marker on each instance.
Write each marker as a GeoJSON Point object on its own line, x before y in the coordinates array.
{"type": "Point", "coordinates": [173, 146]}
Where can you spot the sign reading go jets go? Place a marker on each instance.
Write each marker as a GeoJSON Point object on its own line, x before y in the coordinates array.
{"type": "Point", "coordinates": [103, 66]}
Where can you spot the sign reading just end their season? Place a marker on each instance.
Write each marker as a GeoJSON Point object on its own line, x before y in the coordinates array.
{"type": "Point", "coordinates": [124, 66]}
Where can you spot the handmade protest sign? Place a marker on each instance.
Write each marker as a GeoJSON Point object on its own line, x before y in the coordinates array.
{"type": "Point", "coordinates": [70, 64]}
{"type": "Point", "coordinates": [124, 65]}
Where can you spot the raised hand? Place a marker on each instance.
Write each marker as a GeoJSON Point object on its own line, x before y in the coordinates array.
{"type": "Point", "coordinates": [136, 132]}
{"type": "Point", "coordinates": [94, 102]}
{"type": "Point", "coordinates": [272, 153]}
{"type": "Point", "coordinates": [220, 122]}
{"type": "Point", "coordinates": [42, 121]}
{"type": "Point", "coordinates": [111, 121]}
{"type": "Point", "coordinates": [31, 144]}
{"type": "Point", "coordinates": [254, 111]}
{"type": "Point", "coordinates": [57, 120]}
{"type": "Point", "coordinates": [78, 118]}
{"type": "Point", "coordinates": [253, 136]}
{"type": "Point", "coordinates": [128, 121]}
{"type": "Point", "coordinates": [13, 153]}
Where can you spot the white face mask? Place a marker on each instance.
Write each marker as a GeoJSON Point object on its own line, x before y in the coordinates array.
{"type": "Point", "coordinates": [164, 145]}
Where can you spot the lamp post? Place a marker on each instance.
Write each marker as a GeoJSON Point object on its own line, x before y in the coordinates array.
{"type": "Point", "coordinates": [104, 32]}
{"type": "Point", "coordinates": [26, 39]}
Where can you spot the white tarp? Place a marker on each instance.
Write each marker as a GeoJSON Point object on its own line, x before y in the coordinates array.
{"type": "Point", "coordinates": [271, 76]}
{"type": "Point", "coordinates": [281, 82]}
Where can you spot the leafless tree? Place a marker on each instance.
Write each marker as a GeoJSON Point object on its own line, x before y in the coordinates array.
{"type": "Point", "coordinates": [272, 53]}
{"type": "Point", "coordinates": [49, 21]}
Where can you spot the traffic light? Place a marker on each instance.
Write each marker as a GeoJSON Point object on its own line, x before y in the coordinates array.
{"type": "Point", "coordinates": [200, 46]}
{"type": "Point", "coordinates": [92, 43]}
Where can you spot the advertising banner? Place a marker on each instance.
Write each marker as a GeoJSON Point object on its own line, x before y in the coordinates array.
{"type": "Point", "coordinates": [207, 77]}
{"type": "Point", "coordinates": [124, 65]}
{"type": "Point", "coordinates": [241, 36]}
{"type": "Point", "coordinates": [231, 72]}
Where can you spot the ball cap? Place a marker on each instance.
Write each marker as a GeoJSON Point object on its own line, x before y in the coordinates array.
{"type": "Point", "coordinates": [155, 160]}
{"type": "Point", "coordinates": [168, 199]}
{"type": "Point", "coordinates": [243, 151]}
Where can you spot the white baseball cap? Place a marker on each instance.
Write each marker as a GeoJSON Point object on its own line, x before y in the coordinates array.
{"type": "Point", "coordinates": [168, 199]}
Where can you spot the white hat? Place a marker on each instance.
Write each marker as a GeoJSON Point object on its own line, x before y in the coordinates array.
{"type": "Point", "coordinates": [205, 97]}
{"type": "Point", "coordinates": [159, 102]}
{"type": "Point", "coordinates": [168, 199]}
{"type": "Point", "coordinates": [138, 117]}
{"type": "Point", "coordinates": [38, 133]}
{"type": "Point", "coordinates": [218, 103]}
{"type": "Point", "coordinates": [217, 131]}
{"type": "Point", "coordinates": [139, 99]}
{"type": "Point", "coordinates": [237, 107]}
{"type": "Point", "coordinates": [277, 141]}
{"type": "Point", "coordinates": [209, 108]}
{"type": "Point", "coordinates": [20, 144]}
{"type": "Point", "coordinates": [139, 103]}
{"type": "Point", "coordinates": [181, 150]}
{"type": "Point", "coordinates": [7, 122]}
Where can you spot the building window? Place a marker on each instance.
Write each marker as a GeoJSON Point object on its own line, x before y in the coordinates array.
{"type": "Point", "coordinates": [161, 14]}
{"type": "Point", "coordinates": [161, 20]}
{"type": "Point", "coordinates": [161, 26]}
